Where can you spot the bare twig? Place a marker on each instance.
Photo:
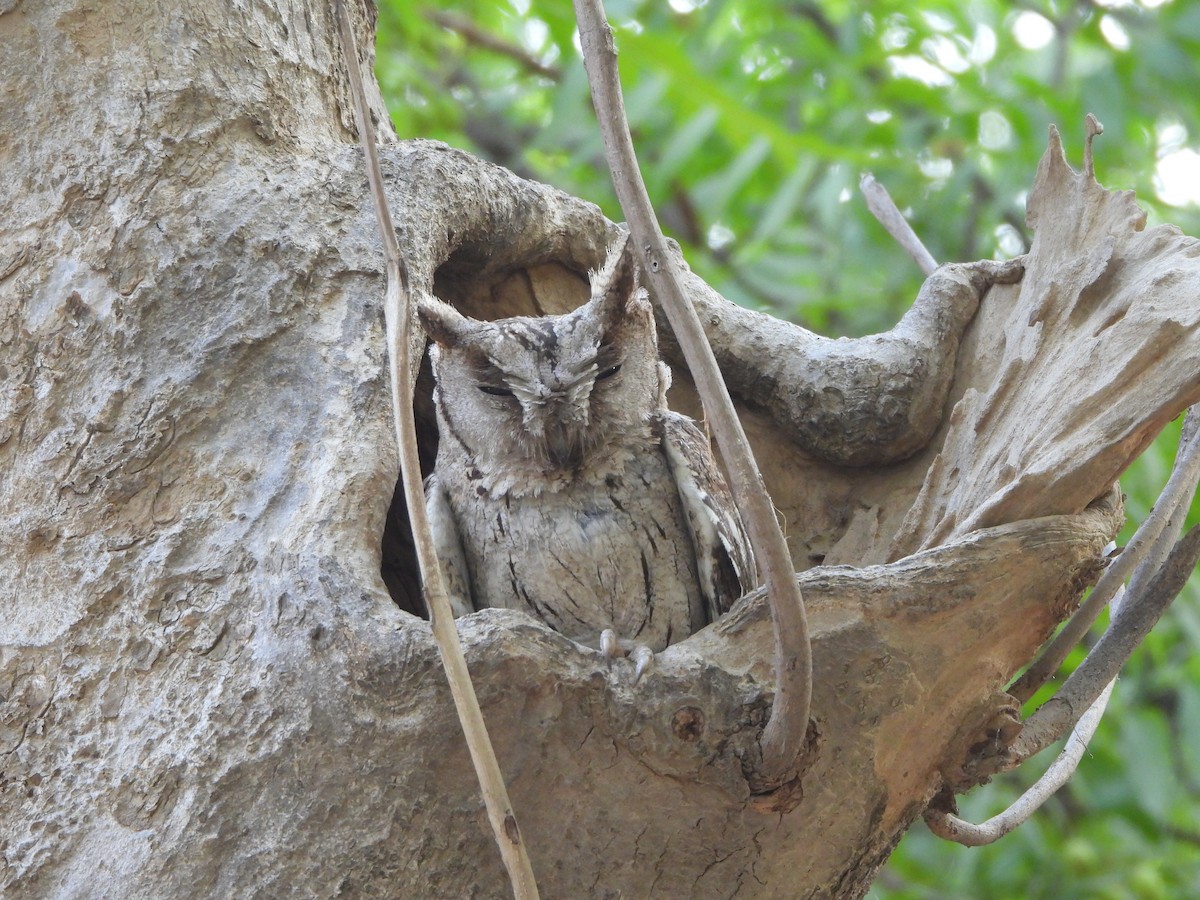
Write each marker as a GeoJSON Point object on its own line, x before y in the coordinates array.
{"type": "Point", "coordinates": [1126, 631]}
{"type": "Point", "coordinates": [398, 316]}
{"type": "Point", "coordinates": [1157, 533]}
{"type": "Point", "coordinates": [950, 827]}
{"type": "Point", "coordinates": [783, 739]}
{"type": "Point", "coordinates": [884, 209]}
{"type": "Point", "coordinates": [473, 34]}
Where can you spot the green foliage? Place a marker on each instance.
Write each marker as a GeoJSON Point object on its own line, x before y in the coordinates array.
{"type": "Point", "coordinates": [753, 122]}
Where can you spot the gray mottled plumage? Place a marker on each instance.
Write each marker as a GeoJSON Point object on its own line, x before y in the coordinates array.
{"type": "Point", "coordinates": [564, 487]}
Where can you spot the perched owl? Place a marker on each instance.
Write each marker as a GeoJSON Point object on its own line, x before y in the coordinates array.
{"type": "Point", "coordinates": [564, 486]}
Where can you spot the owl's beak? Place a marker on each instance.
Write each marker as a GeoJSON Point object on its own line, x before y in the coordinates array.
{"type": "Point", "coordinates": [564, 448]}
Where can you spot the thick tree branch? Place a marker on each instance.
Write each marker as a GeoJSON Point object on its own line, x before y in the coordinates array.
{"type": "Point", "coordinates": [398, 314]}
{"type": "Point", "coordinates": [824, 393]}
{"type": "Point", "coordinates": [784, 736]}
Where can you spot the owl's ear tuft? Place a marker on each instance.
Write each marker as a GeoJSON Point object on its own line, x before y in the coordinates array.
{"type": "Point", "coordinates": [615, 286]}
{"type": "Point", "coordinates": [444, 324]}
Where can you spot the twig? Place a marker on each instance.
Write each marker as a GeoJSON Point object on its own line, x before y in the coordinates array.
{"type": "Point", "coordinates": [473, 34]}
{"type": "Point", "coordinates": [398, 316]}
{"type": "Point", "coordinates": [884, 209]}
{"type": "Point", "coordinates": [1138, 615]}
{"type": "Point", "coordinates": [1157, 533]}
{"type": "Point", "coordinates": [783, 739]}
{"type": "Point", "coordinates": [950, 827]}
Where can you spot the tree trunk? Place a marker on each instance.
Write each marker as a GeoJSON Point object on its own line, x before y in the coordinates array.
{"type": "Point", "coordinates": [207, 688]}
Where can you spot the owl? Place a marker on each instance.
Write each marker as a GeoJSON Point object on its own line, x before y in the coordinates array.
{"type": "Point", "coordinates": [563, 485]}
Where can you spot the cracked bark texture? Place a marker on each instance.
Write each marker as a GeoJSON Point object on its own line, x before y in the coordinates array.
{"type": "Point", "coordinates": [206, 688]}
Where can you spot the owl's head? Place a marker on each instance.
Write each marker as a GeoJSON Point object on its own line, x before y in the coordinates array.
{"type": "Point", "coordinates": [538, 402]}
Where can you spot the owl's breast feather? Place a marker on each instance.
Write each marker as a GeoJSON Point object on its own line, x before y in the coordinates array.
{"type": "Point", "coordinates": [606, 552]}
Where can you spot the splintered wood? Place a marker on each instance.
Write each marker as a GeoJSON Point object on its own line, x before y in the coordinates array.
{"type": "Point", "coordinates": [1069, 376]}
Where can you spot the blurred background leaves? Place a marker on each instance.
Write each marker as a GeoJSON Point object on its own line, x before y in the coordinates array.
{"type": "Point", "coordinates": [753, 122]}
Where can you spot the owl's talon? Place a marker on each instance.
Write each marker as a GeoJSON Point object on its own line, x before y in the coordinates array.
{"type": "Point", "coordinates": [643, 658]}
{"type": "Point", "coordinates": [610, 646]}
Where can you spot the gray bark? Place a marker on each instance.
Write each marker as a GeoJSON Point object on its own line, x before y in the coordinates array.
{"type": "Point", "coordinates": [206, 688]}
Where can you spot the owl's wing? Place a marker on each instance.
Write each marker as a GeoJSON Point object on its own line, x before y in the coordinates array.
{"type": "Point", "coordinates": [449, 547]}
{"type": "Point", "coordinates": [724, 561]}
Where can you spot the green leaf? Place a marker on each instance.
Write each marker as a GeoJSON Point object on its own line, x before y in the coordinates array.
{"type": "Point", "coordinates": [684, 143]}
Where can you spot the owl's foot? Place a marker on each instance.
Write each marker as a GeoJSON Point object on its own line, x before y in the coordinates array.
{"type": "Point", "coordinates": [641, 655]}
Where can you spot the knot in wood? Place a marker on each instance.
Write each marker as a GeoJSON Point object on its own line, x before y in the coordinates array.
{"type": "Point", "coordinates": [688, 724]}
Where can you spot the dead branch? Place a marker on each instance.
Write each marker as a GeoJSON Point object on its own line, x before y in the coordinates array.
{"type": "Point", "coordinates": [398, 316]}
{"type": "Point", "coordinates": [1144, 558]}
{"type": "Point", "coordinates": [783, 738]}
{"type": "Point", "coordinates": [1096, 288]}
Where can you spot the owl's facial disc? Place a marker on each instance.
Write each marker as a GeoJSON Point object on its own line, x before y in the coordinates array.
{"type": "Point", "coordinates": [556, 420]}
{"type": "Point", "coordinates": [557, 404]}
{"type": "Point", "coordinates": [559, 395]}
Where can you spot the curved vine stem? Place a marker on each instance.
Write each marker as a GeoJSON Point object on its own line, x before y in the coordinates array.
{"type": "Point", "coordinates": [1138, 614]}
{"type": "Point", "coordinates": [1161, 527]}
{"type": "Point", "coordinates": [398, 317]}
{"type": "Point", "coordinates": [950, 827]}
{"type": "Point", "coordinates": [783, 739]}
